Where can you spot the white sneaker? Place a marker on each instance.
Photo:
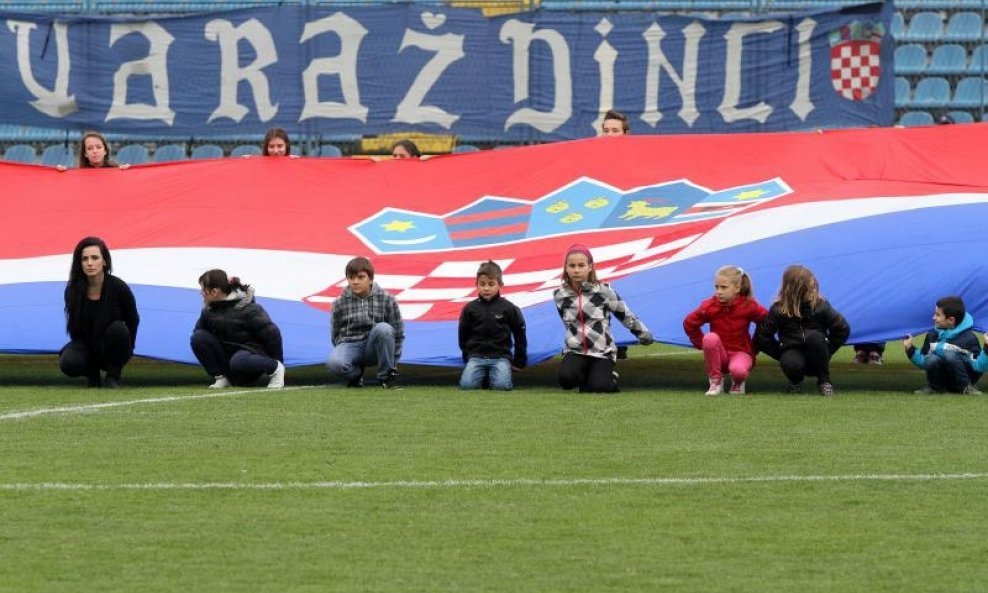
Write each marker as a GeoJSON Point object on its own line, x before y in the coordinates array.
{"type": "Point", "coordinates": [737, 388]}
{"type": "Point", "coordinates": [221, 382]}
{"type": "Point", "coordinates": [716, 386]}
{"type": "Point", "coordinates": [277, 380]}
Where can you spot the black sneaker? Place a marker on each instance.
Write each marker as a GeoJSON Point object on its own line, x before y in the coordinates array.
{"type": "Point", "coordinates": [111, 382]}
{"type": "Point", "coordinates": [391, 381]}
{"type": "Point", "coordinates": [794, 388]}
{"type": "Point", "coordinates": [826, 389]}
{"type": "Point", "coordinates": [622, 352]}
{"type": "Point", "coordinates": [95, 382]}
{"type": "Point", "coordinates": [356, 382]}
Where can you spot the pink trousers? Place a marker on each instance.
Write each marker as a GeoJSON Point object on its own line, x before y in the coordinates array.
{"type": "Point", "coordinates": [719, 361]}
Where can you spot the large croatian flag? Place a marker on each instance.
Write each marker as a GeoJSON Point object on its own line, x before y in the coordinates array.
{"type": "Point", "coordinates": [889, 219]}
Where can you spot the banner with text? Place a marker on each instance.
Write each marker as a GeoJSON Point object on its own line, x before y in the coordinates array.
{"type": "Point", "coordinates": [530, 76]}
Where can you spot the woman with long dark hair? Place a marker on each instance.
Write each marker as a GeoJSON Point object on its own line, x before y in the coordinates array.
{"type": "Point", "coordinates": [234, 338]}
{"type": "Point", "coordinates": [100, 317]}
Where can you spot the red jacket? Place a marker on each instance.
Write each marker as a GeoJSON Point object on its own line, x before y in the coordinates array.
{"type": "Point", "coordinates": [730, 322]}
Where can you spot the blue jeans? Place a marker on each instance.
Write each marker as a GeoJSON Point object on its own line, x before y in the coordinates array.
{"type": "Point", "coordinates": [497, 370]}
{"type": "Point", "coordinates": [947, 371]}
{"type": "Point", "coordinates": [348, 359]}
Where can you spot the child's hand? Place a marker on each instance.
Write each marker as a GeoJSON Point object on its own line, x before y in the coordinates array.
{"type": "Point", "coordinates": [907, 343]}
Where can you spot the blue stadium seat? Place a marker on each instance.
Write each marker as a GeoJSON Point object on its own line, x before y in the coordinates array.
{"type": "Point", "coordinates": [979, 61]}
{"type": "Point", "coordinates": [931, 92]}
{"type": "Point", "coordinates": [961, 117]}
{"type": "Point", "coordinates": [327, 150]}
{"type": "Point", "coordinates": [898, 26]}
{"type": "Point", "coordinates": [246, 150]}
{"type": "Point", "coordinates": [207, 151]}
{"type": "Point", "coordinates": [903, 94]}
{"type": "Point", "coordinates": [910, 59]}
{"type": "Point", "coordinates": [57, 154]}
{"type": "Point", "coordinates": [169, 152]}
{"type": "Point", "coordinates": [964, 26]}
{"type": "Point", "coordinates": [21, 153]}
{"type": "Point", "coordinates": [971, 92]}
{"type": "Point", "coordinates": [948, 59]}
{"type": "Point", "coordinates": [925, 26]}
{"type": "Point", "coordinates": [132, 154]}
{"type": "Point", "coordinates": [916, 118]}
{"type": "Point", "coordinates": [465, 148]}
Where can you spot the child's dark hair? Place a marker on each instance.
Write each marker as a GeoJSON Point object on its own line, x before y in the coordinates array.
{"type": "Point", "coordinates": [358, 265]}
{"type": "Point", "coordinates": [410, 147]}
{"type": "Point", "coordinates": [612, 114]}
{"type": "Point", "coordinates": [219, 279]}
{"type": "Point", "coordinates": [952, 306]}
{"type": "Point", "coordinates": [738, 277]}
{"type": "Point", "coordinates": [490, 269]}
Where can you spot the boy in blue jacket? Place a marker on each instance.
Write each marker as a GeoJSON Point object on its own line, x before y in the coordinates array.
{"type": "Point", "coordinates": [949, 352]}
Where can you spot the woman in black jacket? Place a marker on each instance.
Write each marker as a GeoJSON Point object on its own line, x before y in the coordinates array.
{"type": "Point", "coordinates": [234, 338]}
{"type": "Point", "coordinates": [101, 317]}
{"type": "Point", "coordinates": [802, 331]}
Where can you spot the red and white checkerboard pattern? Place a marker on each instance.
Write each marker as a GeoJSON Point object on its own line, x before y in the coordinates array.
{"type": "Point", "coordinates": [439, 292]}
{"type": "Point", "coordinates": [855, 68]}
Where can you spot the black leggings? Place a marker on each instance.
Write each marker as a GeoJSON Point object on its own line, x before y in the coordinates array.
{"type": "Point", "coordinates": [811, 358]}
{"type": "Point", "coordinates": [590, 373]}
{"type": "Point", "coordinates": [78, 360]}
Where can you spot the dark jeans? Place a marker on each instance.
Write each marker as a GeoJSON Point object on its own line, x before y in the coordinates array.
{"type": "Point", "coordinates": [811, 358]}
{"type": "Point", "coordinates": [78, 360]}
{"type": "Point", "coordinates": [947, 371]}
{"type": "Point", "coordinates": [589, 373]}
{"type": "Point", "coordinates": [242, 368]}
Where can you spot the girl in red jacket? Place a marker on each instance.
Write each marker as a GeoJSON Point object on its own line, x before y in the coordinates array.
{"type": "Point", "coordinates": [727, 347]}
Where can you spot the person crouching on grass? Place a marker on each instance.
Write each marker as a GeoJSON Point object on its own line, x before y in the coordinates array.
{"type": "Point", "coordinates": [951, 353]}
{"type": "Point", "coordinates": [234, 339]}
{"type": "Point", "coordinates": [585, 305]}
{"type": "Point", "coordinates": [367, 328]}
{"type": "Point", "coordinates": [487, 325]}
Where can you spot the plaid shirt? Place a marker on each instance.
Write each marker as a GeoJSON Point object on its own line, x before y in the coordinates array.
{"type": "Point", "coordinates": [353, 316]}
{"type": "Point", "coordinates": [587, 318]}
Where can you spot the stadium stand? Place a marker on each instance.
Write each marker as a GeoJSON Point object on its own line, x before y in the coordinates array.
{"type": "Point", "coordinates": [961, 117]}
{"type": "Point", "coordinates": [132, 154]}
{"type": "Point", "coordinates": [21, 153]}
{"type": "Point", "coordinates": [947, 59]}
{"type": "Point", "coordinates": [910, 59]}
{"type": "Point", "coordinates": [57, 154]}
{"type": "Point", "coordinates": [327, 150]}
{"type": "Point", "coordinates": [169, 152]}
{"type": "Point", "coordinates": [465, 148]}
{"type": "Point", "coordinates": [932, 91]}
{"type": "Point", "coordinates": [943, 41]}
{"type": "Point", "coordinates": [245, 150]}
{"type": "Point", "coordinates": [916, 118]}
{"type": "Point", "coordinates": [207, 151]}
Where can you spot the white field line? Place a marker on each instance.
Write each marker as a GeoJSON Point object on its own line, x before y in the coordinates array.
{"type": "Point", "coordinates": [461, 484]}
{"type": "Point", "coordinates": [87, 408]}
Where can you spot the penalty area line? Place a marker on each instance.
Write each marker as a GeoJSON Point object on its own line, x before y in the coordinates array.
{"type": "Point", "coordinates": [462, 484]}
{"type": "Point", "coordinates": [99, 406]}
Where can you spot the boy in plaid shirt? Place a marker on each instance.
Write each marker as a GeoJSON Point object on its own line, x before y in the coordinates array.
{"type": "Point", "coordinates": [367, 328]}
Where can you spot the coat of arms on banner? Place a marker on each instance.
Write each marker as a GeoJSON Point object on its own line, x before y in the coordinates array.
{"type": "Point", "coordinates": [855, 59]}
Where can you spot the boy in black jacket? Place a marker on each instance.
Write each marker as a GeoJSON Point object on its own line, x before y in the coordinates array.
{"type": "Point", "coordinates": [949, 350]}
{"type": "Point", "coordinates": [487, 325]}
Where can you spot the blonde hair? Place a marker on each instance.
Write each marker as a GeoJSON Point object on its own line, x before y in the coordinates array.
{"type": "Point", "coordinates": [799, 286]}
{"type": "Point", "coordinates": [738, 277]}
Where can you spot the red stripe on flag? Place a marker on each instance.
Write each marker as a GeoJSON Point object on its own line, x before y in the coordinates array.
{"type": "Point", "coordinates": [503, 230]}
{"type": "Point", "coordinates": [491, 215]}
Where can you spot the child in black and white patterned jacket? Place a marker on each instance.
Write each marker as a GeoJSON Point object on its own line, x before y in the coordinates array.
{"type": "Point", "coordinates": [585, 305]}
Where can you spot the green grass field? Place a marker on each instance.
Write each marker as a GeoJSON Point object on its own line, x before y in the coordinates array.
{"type": "Point", "coordinates": [155, 487]}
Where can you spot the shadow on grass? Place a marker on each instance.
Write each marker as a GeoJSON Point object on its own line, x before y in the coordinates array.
{"type": "Point", "coordinates": [643, 371]}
